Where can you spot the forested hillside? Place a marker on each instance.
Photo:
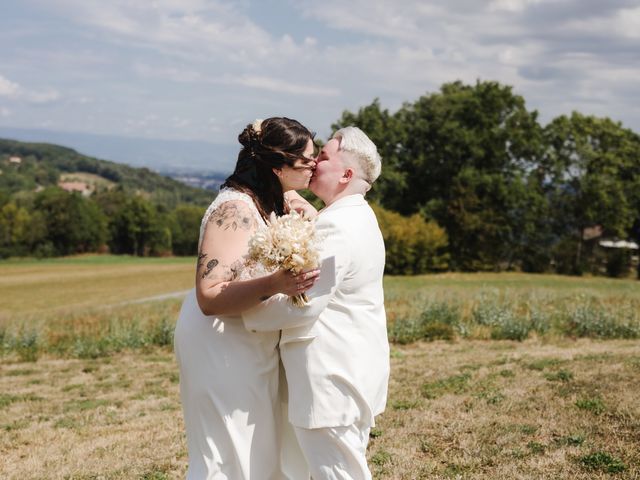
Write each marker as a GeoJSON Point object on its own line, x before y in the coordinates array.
{"type": "Point", "coordinates": [55, 201]}
{"type": "Point", "coordinates": [28, 166]}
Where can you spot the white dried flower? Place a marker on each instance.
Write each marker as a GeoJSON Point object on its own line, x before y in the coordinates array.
{"type": "Point", "coordinates": [288, 242]}
{"type": "Point", "coordinates": [257, 125]}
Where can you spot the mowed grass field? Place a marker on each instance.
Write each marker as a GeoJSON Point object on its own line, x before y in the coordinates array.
{"type": "Point", "coordinates": [68, 284]}
{"type": "Point", "coordinates": [551, 406]}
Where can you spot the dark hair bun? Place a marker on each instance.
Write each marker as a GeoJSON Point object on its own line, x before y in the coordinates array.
{"type": "Point", "coordinates": [245, 137]}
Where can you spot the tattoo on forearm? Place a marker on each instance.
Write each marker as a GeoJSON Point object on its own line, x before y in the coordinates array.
{"type": "Point", "coordinates": [211, 264]}
{"type": "Point", "coordinates": [236, 269]}
{"type": "Point", "coordinates": [201, 258]}
{"type": "Point", "coordinates": [217, 271]}
{"type": "Point", "coordinates": [230, 216]}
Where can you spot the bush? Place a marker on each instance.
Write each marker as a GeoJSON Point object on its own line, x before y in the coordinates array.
{"type": "Point", "coordinates": [511, 327]}
{"type": "Point", "coordinates": [27, 346]}
{"type": "Point", "coordinates": [488, 311]}
{"type": "Point", "coordinates": [504, 323]}
{"type": "Point", "coordinates": [162, 333]}
{"type": "Point", "coordinates": [540, 320]}
{"type": "Point", "coordinates": [602, 461]}
{"type": "Point", "coordinates": [405, 330]}
{"type": "Point", "coordinates": [5, 340]}
{"type": "Point", "coordinates": [413, 245]}
{"type": "Point", "coordinates": [591, 319]}
{"type": "Point", "coordinates": [91, 348]}
{"type": "Point", "coordinates": [438, 321]}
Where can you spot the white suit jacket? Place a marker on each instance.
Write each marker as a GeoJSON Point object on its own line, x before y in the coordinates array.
{"type": "Point", "coordinates": [335, 349]}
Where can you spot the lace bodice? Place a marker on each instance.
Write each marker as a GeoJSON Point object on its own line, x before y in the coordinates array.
{"type": "Point", "coordinates": [250, 270]}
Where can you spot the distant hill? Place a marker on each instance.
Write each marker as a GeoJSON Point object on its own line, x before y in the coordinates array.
{"type": "Point", "coordinates": [160, 155]}
{"type": "Point", "coordinates": [31, 166]}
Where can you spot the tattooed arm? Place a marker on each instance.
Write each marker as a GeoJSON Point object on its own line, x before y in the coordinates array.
{"type": "Point", "coordinates": [220, 261]}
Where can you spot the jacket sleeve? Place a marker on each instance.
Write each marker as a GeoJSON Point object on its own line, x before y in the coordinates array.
{"type": "Point", "coordinates": [277, 313]}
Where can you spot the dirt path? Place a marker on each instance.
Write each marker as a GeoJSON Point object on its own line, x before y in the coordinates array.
{"type": "Point", "coordinates": [164, 296]}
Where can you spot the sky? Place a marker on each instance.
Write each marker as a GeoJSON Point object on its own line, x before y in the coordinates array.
{"type": "Point", "coordinates": [200, 70]}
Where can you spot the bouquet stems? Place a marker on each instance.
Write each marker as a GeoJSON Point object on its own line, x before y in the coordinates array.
{"type": "Point", "coordinates": [299, 300]}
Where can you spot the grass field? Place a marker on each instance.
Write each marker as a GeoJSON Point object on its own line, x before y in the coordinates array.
{"type": "Point", "coordinates": [94, 181]}
{"type": "Point", "coordinates": [470, 409]}
{"type": "Point", "coordinates": [89, 385]}
{"type": "Point", "coordinates": [52, 286]}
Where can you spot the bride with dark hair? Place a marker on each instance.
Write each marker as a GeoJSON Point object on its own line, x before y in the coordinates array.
{"type": "Point", "coordinates": [228, 375]}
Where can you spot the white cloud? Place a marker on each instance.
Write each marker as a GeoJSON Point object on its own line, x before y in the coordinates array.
{"type": "Point", "coordinates": [189, 59]}
{"type": "Point", "coordinates": [512, 5]}
{"type": "Point", "coordinates": [8, 88]}
{"type": "Point", "coordinates": [43, 96]}
{"type": "Point", "coordinates": [258, 82]}
{"type": "Point", "coordinates": [145, 121]}
{"type": "Point", "coordinates": [180, 75]}
{"type": "Point", "coordinates": [281, 86]}
{"type": "Point", "coordinates": [15, 91]}
{"type": "Point", "coordinates": [629, 22]}
{"type": "Point", "coordinates": [623, 23]}
{"type": "Point", "coordinates": [5, 112]}
{"type": "Point", "coordinates": [193, 28]}
{"type": "Point", "coordinates": [179, 122]}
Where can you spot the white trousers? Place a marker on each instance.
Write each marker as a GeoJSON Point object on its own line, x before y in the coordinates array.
{"type": "Point", "coordinates": [335, 453]}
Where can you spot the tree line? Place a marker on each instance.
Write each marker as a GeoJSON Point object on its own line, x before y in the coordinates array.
{"type": "Point", "coordinates": [509, 192]}
{"type": "Point", "coordinates": [54, 222]}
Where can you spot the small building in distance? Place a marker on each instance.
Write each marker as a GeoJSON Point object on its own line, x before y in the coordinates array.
{"type": "Point", "coordinates": [15, 160]}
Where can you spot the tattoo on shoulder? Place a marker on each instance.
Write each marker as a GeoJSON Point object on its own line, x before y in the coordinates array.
{"type": "Point", "coordinates": [232, 216]}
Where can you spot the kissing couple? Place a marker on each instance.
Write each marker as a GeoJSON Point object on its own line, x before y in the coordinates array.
{"type": "Point", "coordinates": [271, 390]}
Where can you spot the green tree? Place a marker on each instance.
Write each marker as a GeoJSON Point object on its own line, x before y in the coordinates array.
{"type": "Point", "coordinates": [463, 155]}
{"type": "Point", "coordinates": [15, 230]}
{"type": "Point", "coordinates": [591, 169]}
{"type": "Point", "coordinates": [73, 223]}
{"type": "Point", "coordinates": [185, 229]}
{"type": "Point", "coordinates": [387, 133]}
{"type": "Point", "coordinates": [135, 228]}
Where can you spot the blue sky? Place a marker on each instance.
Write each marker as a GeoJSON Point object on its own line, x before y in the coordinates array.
{"type": "Point", "coordinates": [202, 69]}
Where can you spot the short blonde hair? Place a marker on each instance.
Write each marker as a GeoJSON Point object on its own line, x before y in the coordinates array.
{"type": "Point", "coordinates": [355, 141]}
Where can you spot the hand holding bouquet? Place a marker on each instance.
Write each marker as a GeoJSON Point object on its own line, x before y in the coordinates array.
{"type": "Point", "coordinates": [288, 242]}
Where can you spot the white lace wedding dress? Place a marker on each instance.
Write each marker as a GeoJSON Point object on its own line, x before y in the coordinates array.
{"type": "Point", "coordinates": [229, 380]}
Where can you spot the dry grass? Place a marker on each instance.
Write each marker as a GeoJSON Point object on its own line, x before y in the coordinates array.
{"type": "Point", "coordinates": [548, 407]}
{"type": "Point", "coordinates": [473, 409]}
{"type": "Point", "coordinates": [111, 418]}
{"type": "Point", "coordinates": [504, 410]}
